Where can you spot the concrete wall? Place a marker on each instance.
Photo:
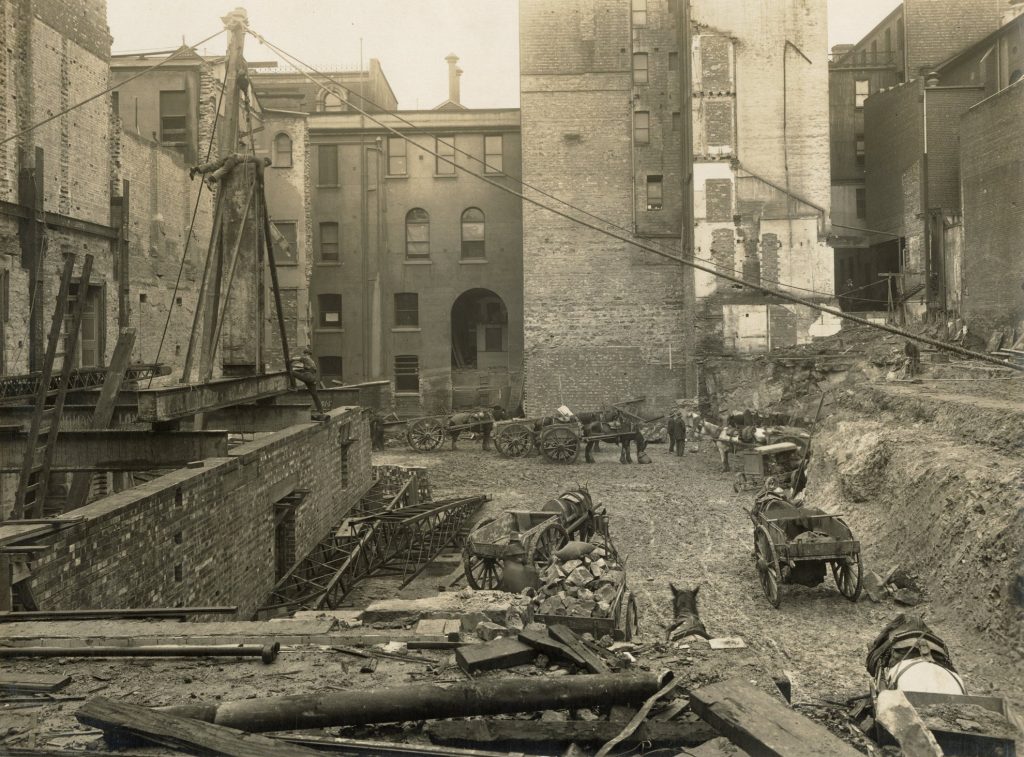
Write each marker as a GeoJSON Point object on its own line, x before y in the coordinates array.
{"type": "Point", "coordinates": [992, 172]}
{"type": "Point", "coordinates": [205, 536]}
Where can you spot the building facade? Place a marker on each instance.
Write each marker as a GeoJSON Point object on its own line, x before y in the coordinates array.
{"type": "Point", "coordinates": [604, 90]}
{"type": "Point", "coordinates": [915, 38]}
{"type": "Point", "coordinates": [415, 265]}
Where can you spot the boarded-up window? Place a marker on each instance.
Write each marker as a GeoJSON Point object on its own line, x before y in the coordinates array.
{"type": "Point", "coordinates": [718, 198]}
{"type": "Point", "coordinates": [327, 165]}
{"type": "Point", "coordinates": [407, 373]}
{"type": "Point", "coordinates": [718, 126]}
{"type": "Point", "coordinates": [715, 63]}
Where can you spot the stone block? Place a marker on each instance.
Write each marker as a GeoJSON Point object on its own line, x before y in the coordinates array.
{"type": "Point", "coordinates": [494, 655]}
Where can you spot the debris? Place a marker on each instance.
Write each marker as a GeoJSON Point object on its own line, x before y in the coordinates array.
{"type": "Point", "coordinates": [566, 636]}
{"type": "Point", "coordinates": [720, 747]}
{"type": "Point", "coordinates": [502, 652]}
{"type": "Point", "coordinates": [445, 629]}
{"type": "Point", "coordinates": [26, 683]}
{"type": "Point", "coordinates": [874, 585]}
{"type": "Point", "coordinates": [633, 724]}
{"type": "Point", "coordinates": [489, 631]}
{"type": "Point", "coordinates": [369, 665]}
{"type": "Point", "coordinates": [761, 724]}
{"type": "Point", "coordinates": [496, 696]}
{"type": "Point", "coordinates": [894, 713]}
{"type": "Point", "coordinates": [727, 642]}
{"type": "Point", "coordinates": [542, 642]}
{"type": "Point", "coordinates": [169, 730]}
{"type": "Point", "coordinates": [907, 597]}
{"type": "Point", "coordinates": [493, 730]}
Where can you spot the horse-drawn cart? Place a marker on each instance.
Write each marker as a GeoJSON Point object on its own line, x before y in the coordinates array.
{"type": "Point", "coordinates": [427, 433]}
{"type": "Point", "coordinates": [528, 538]}
{"type": "Point", "coordinates": [781, 460]}
{"type": "Point", "coordinates": [793, 545]}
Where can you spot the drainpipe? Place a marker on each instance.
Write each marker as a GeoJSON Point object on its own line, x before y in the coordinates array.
{"type": "Point", "coordinates": [931, 81]}
{"type": "Point", "coordinates": [690, 384]}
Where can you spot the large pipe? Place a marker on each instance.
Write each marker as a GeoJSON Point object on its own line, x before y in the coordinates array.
{"type": "Point", "coordinates": [426, 702]}
{"type": "Point", "coordinates": [267, 652]}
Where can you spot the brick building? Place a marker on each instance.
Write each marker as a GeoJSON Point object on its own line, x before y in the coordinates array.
{"type": "Point", "coordinates": [603, 111]}
{"type": "Point", "coordinates": [906, 45]}
{"type": "Point", "coordinates": [913, 183]}
{"type": "Point", "coordinates": [416, 267]}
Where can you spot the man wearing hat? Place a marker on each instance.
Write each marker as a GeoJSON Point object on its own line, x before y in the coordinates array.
{"type": "Point", "coordinates": [304, 368]}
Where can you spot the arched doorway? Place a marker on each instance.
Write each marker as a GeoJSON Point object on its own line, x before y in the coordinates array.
{"type": "Point", "coordinates": [479, 350]}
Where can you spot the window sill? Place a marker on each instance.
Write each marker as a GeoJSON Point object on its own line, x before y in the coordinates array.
{"type": "Point", "coordinates": [473, 261]}
{"type": "Point", "coordinates": [330, 329]}
{"type": "Point", "coordinates": [418, 261]}
{"type": "Point", "coordinates": [406, 329]}
{"type": "Point", "coordinates": [328, 186]}
{"type": "Point", "coordinates": [288, 166]}
{"type": "Point", "coordinates": [446, 176]}
{"type": "Point", "coordinates": [328, 262]}
{"type": "Point", "coordinates": [407, 394]}
{"type": "Point", "coordinates": [396, 176]}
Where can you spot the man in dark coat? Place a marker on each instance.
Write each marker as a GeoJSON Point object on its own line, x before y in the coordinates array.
{"type": "Point", "coordinates": [304, 368]}
{"type": "Point", "coordinates": [676, 433]}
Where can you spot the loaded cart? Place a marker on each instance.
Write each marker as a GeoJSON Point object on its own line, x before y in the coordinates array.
{"type": "Point", "coordinates": [428, 433]}
{"type": "Point", "coordinates": [519, 539]}
{"type": "Point", "coordinates": [793, 545]}
{"type": "Point", "coordinates": [780, 460]}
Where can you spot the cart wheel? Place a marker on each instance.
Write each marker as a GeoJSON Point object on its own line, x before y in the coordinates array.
{"type": "Point", "coordinates": [768, 569]}
{"type": "Point", "coordinates": [514, 440]}
{"type": "Point", "coordinates": [632, 625]}
{"type": "Point", "coordinates": [425, 435]}
{"type": "Point", "coordinates": [847, 574]}
{"type": "Point", "coordinates": [551, 539]}
{"type": "Point", "coordinates": [560, 444]}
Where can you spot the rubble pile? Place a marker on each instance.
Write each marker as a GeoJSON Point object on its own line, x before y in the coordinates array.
{"type": "Point", "coordinates": [586, 586]}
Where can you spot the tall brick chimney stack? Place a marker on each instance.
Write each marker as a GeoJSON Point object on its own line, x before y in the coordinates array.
{"type": "Point", "coordinates": [454, 72]}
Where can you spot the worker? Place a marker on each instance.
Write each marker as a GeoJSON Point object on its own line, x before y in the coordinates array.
{"type": "Point", "coordinates": [676, 433]}
{"type": "Point", "coordinates": [215, 171]}
{"type": "Point", "coordinates": [913, 353]}
{"type": "Point", "coordinates": [304, 368]}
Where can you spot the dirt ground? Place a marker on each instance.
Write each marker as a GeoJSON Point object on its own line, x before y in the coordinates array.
{"type": "Point", "coordinates": [679, 520]}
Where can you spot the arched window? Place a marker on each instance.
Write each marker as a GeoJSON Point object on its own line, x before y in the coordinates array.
{"type": "Point", "coordinates": [472, 233]}
{"type": "Point", "coordinates": [283, 151]}
{"type": "Point", "coordinates": [333, 103]}
{"type": "Point", "coordinates": [417, 233]}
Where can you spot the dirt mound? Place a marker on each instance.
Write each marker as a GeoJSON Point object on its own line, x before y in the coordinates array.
{"type": "Point", "coordinates": [949, 511]}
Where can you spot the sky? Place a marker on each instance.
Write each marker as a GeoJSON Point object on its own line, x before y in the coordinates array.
{"type": "Point", "coordinates": [410, 37]}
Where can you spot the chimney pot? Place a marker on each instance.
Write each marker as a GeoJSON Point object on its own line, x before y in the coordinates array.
{"type": "Point", "coordinates": [454, 72]}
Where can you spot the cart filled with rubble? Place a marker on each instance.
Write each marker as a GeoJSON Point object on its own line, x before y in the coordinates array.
{"type": "Point", "coordinates": [793, 545]}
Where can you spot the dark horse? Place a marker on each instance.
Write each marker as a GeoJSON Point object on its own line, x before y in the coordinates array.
{"type": "Point", "coordinates": [612, 426]}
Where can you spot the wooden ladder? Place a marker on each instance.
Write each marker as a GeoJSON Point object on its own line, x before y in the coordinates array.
{"type": "Point", "coordinates": [42, 436]}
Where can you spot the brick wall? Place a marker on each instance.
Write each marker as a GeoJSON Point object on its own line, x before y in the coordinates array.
{"type": "Point", "coordinates": [206, 536]}
{"type": "Point", "coordinates": [992, 174]}
{"type": "Point", "coordinates": [893, 141]}
{"type": "Point", "coordinates": [938, 29]}
{"type": "Point", "coordinates": [945, 107]}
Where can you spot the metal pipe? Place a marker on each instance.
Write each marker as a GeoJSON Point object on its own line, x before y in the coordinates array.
{"type": "Point", "coordinates": [267, 652]}
{"type": "Point", "coordinates": [426, 701]}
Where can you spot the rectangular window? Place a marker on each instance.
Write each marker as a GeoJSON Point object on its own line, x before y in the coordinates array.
{"type": "Point", "coordinates": [639, 68]}
{"type": "Point", "coordinates": [673, 61]}
{"type": "Point", "coordinates": [331, 366]}
{"type": "Point", "coordinates": [397, 164]}
{"type": "Point", "coordinates": [639, 12]}
{"type": "Point", "coordinates": [285, 242]}
{"type": "Point", "coordinates": [654, 193]}
{"type": "Point", "coordinates": [493, 338]}
{"type": "Point", "coordinates": [407, 374]}
{"type": "Point", "coordinates": [329, 245]}
{"type": "Point", "coordinates": [445, 148]}
{"type": "Point", "coordinates": [174, 118]}
{"type": "Point", "coordinates": [677, 121]}
{"type": "Point", "coordinates": [888, 40]}
{"type": "Point", "coordinates": [859, 150]}
{"type": "Point", "coordinates": [862, 88]}
{"type": "Point", "coordinates": [327, 165]}
{"type": "Point", "coordinates": [329, 307]}
{"type": "Point", "coordinates": [862, 203]}
{"type": "Point", "coordinates": [89, 353]}
{"type": "Point", "coordinates": [407, 309]}
{"type": "Point", "coordinates": [494, 154]}
{"type": "Point", "coordinates": [641, 128]}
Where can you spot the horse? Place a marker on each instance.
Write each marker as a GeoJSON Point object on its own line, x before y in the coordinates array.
{"type": "Point", "coordinates": [724, 437]}
{"type": "Point", "coordinates": [615, 426]}
{"type": "Point", "coordinates": [907, 655]}
{"type": "Point", "coordinates": [477, 422]}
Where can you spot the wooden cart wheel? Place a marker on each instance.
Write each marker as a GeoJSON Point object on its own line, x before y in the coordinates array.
{"type": "Point", "coordinates": [560, 444]}
{"type": "Point", "coordinates": [768, 570]}
{"type": "Point", "coordinates": [847, 574]}
{"type": "Point", "coordinates": [550, 539]}
{"type": "Point", "coordinates": [632, 625]}
{"type": "Point", "coordinates": [514, 440]}
{"type": "Point", "coordinates": [481, 572]}
{"type": "Point", "coordinates": [425, 435]}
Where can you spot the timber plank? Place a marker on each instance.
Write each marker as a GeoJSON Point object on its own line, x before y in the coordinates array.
{"type": "Point", "coordinates": [761, 724]}
{"type": "Point", "coordinates": [555, 650]}
{"type": "Point", "coordinates": [120, 718]}
{"type": "Point", "coordinates": [495, 730]}
{"type": "Point", "coordinates": [568, 637]}
{"type": "Point", "coordinates": [29, 683]}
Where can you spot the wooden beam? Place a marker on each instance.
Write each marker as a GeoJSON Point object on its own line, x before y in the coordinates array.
{"type": "Point", "coordinates": [28, 683]}
{"type": "Point", "coordinates": [124, 614]}
{"type": "Point", "coordinates": [118, 450]}
{"type": "Point", "coordinates": [123, 719]}
{"type": "Point", "coordinates": [103, 413]}
{"type": "Point", "coordinates": [76, 417]}
{"type": "Point", "coordinates": [185, 400]}
{"type": "Point", "coordinates": [495, 730]}
{"type": "Point", "coordinates": [59, 221]}
{"type": "Point", "coordinates": [762, 724]}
